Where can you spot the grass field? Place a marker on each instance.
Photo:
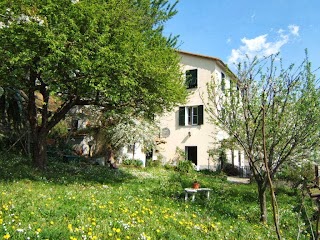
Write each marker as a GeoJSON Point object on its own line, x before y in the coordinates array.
{"type": "Point", "coordinates": [80, 201]}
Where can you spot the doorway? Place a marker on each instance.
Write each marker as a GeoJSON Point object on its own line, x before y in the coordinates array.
{"type": "Point", "coordinates": [191, 154]}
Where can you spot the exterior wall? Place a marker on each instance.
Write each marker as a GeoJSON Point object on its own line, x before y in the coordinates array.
{"type": "Point", "coordinates": [138, 153]}
{"type": "Point", "coordinates": [205, 136]}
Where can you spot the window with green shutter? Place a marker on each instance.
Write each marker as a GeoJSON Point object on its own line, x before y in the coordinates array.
{"type": "Point", "coordinates": [191, 115]}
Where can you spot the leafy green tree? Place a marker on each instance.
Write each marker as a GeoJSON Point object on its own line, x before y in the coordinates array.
{"type": "Point", "coordinates": [273, 113]}
{"type": "Point", "coordinates": [109, 53]}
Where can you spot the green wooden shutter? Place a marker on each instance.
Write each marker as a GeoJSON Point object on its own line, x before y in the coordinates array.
{"type": "Point", "coordinates": [200, 115]}
{"type": "Point", "coordinates": [182, 113]}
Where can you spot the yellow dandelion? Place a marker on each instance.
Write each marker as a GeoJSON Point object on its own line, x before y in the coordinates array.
{"type": "Point", "coordinates": [70, 227]}
{"type": "Point", "coordinates": [7, 236]}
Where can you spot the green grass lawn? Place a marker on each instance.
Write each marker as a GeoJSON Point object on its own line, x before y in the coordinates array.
{"type": "Point", "coordinates": [80, 201]}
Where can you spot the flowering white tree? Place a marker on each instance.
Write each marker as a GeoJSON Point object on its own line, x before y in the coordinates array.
{"type": "Point", "coordinates": [133, 131]}
{"type": "Point", "coordinates": [273, 114]}
{"type": "Point", "coordinates": [112, 132]}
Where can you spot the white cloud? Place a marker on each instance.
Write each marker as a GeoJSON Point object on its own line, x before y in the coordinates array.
{"type": "Point", "coordinates": [228, 40]}
{"type": "Point", "coordinates": [294, 29]}
{"type": "Point", "coordinates": [253, 17]}
{"type": "Point", "coordinates": [261, 46]}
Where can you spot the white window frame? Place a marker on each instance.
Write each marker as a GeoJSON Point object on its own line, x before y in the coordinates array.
{"type": "Point", "coordinates": [192, 115]}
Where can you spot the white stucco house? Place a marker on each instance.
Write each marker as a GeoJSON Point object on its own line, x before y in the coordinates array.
{"type": "Point", "coordinates": [188, 127]}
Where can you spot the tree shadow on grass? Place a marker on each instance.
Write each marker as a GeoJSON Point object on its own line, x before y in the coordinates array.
{"type": "Point", "coordinates": [227, 199]}
{"type": "Point", "coordinates": [14, 168]}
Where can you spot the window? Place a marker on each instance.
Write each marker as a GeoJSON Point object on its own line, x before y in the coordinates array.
{"type": "Point", "coordinates": [223, 82]}
{"type": "Point", "coordinates": [192, 78]}
{"type": "Point", "coordinates": [192, 115]}
{"type": "Point", "coordinates": [191, 154]}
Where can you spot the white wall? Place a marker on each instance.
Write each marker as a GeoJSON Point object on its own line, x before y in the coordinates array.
{"type": "Point", "coordinates": [138, 153]}
{"type": "Point", "coordinates": [205, 136]}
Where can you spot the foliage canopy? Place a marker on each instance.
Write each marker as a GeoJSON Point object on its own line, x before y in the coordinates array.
{"type": "Point", "coordinates": [108, 53]}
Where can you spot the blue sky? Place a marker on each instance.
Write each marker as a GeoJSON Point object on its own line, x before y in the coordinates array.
{"type": "Point", "coordinates": [229, 29]}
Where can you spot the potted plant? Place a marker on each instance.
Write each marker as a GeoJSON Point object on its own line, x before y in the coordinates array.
{"type": "Point", "coordinates": [196, 184]}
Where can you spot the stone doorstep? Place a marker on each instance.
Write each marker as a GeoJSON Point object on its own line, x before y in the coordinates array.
{"type": "Point", "coordinates": [238, 180]}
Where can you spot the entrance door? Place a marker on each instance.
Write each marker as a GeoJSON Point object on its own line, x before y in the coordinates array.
{"type": "Point", "coordinates": [191, 154]}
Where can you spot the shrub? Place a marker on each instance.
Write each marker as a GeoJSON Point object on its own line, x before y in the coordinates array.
{"type": "Point", "coordinates": [168, 166]}
{"type": "Point", "coordinates": [185, 166]}
{"type": "Point", "coordinates": [127, 161]}
{"type": "Point", "coordinates": [132, 162]}
{"type": "Point", "coordinates": [137, 163]}
{"type": "Point", "coordinates": [296, 173]}
{"type": "Point", "coordinates": [230, 170]}
{"type": "Point", "coordinates": [153, 163]}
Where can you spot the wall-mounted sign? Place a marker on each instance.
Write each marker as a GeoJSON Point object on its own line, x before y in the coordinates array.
{"type": "Point", "coordinates": [165, 132]}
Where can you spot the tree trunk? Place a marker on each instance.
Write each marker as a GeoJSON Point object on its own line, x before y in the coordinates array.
{"type": "Point", "coordinates": [262, 202]}
{"type": "Point", "coordinates": [133, 150]}
{"type": "Point", "coordinates": [110, 155]}
{"type": "Point", "coordinates": [39, 150]}
{"type": "Point", "coordinates": [266, 164]}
